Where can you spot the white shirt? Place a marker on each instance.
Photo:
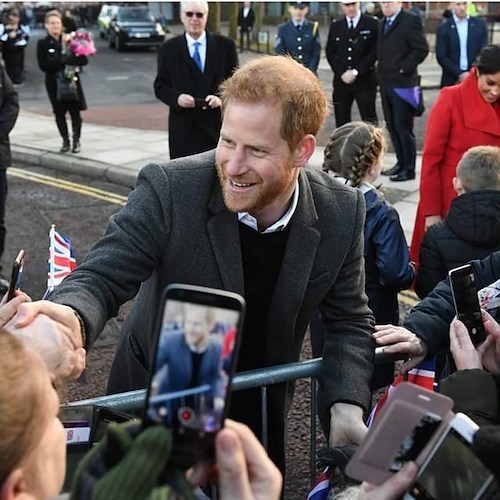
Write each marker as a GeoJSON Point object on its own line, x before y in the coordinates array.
{"type": "Point", "coordinates": [280, 224]}
{"type": "Point", "coordinates": [355, 20]}
{"type": "Point", "coordinates": [202, 48]}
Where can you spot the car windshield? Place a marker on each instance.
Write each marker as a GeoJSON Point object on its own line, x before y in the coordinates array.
{"type": "Point", "coordinates": [134, 16]}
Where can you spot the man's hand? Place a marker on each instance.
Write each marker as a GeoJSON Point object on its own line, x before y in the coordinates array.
{"type": "Point", "coordinates": [57, 337]}
{"type": "Point", "coordinates": [54, 343]}
{"type": "Point", "coordinates": [400, 340]}
{"type": "Point", "coordinates": [185, 101]}
{"type": "Point", "coordinates": [430, 220]}
{"type": "Point", "coordinates": [348, 77]}
{"type": "Point", "coordinates": [466, 356]}
{"type": "Point", "coordinates": [9, 308]}
{"type": "Point", "coordinates": [213, 101]}
{"type": "Point", "coordinates": [243, 469]}
{"type": "Point", "coordinates": [393, 488]}
{"type": "Point", "coordinates": [346, 425]}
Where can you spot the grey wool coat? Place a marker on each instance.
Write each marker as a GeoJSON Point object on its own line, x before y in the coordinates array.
{"type": "Point", "coordinates": [175, 228]}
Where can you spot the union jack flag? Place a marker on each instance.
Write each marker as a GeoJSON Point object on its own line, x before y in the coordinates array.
{"type": "Point", "coordinates": [423, 375]}
{"type": "Point", "coordinates": [322, 488]}
{"type": "Point", "coordinates": [61, 259]}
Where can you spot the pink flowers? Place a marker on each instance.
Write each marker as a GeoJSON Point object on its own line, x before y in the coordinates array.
{"type": "Point", "coordinates": [82, 44]}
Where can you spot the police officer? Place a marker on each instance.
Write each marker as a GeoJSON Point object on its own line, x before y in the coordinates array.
{"type": "Point", "coordinates": [299, 37]}
{"type": "Point", "coordinates": [351, 53]}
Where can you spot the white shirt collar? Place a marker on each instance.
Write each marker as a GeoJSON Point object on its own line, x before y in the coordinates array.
{"type": "Point", "coordinates": [458, 20]}
{"type": "Point", "coordinates": [202, 40]}
{"type": "Point", "coordinates": [355, 19]}
{"type": "Point", "coordinates": [280, 224]}
{"type": "Point", "coordinates": [393, 17]}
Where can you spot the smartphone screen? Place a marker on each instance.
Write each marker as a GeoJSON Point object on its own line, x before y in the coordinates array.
{"type": "Point", "coordinates": [454, 471]}
{"type": "Point", "coordinates": [467, 308]}
{"type": "Point", "coordinates": [195, 358]}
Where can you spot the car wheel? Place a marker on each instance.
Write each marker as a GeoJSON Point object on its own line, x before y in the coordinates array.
{"type": "Point", "coordinates": [111, 42]}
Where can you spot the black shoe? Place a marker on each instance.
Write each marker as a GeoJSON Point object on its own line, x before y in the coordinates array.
{"type": "Point", "coordinates": [391, 171]}
{"type": "Point", "coordinates": [65, 147]}
{"type": "Point", "coordinates": [76, 147]}
{"type": "Point", "coordinates": [404, 175]}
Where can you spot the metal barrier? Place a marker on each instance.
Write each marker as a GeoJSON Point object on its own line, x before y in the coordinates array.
{"type": "Point", "coordinates": [133, 401]}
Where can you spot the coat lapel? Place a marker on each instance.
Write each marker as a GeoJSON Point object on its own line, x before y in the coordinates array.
{"type": "Point", "coordinates": [302, 243]}
{"type": "Point", "coordinates": [224, 235]}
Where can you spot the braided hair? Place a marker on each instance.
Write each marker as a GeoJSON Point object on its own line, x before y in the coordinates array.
{"type": "Point", "coordinates": [352, 150]}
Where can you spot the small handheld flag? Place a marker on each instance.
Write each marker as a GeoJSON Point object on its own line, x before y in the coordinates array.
{"type": "Point", "coordinates": [61, 259]}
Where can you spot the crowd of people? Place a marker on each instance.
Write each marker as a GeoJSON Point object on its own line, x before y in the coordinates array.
{"type": "Point", "coordinates": [301, 245]}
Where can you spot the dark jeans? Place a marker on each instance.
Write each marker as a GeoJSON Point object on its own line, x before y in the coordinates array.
{"type": "Point", "coordinates": [76, 123]}
{"type": "Point", "coordinates": [245, 32]}
{"type": "Point", "coordinates": [399, 117]}
{"type": "Point", "coordinates": [343, 97]}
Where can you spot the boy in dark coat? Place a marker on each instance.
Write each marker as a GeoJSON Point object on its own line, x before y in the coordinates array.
{"type": "Point", "coordinates": [471, 229]}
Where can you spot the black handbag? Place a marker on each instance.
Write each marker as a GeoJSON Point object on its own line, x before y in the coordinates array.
{"type": "Point", "coordinates": [66, 84]}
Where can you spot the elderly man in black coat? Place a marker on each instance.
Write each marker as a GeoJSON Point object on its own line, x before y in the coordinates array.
{"type": "Point", "coordinates": [9, 109]}
{"type": "Point", "coordinates": [190, 68]}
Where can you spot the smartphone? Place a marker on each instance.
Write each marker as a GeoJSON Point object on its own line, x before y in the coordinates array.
{"type": "Point", "coordinates": [463, 289]}
{"type": "Point", "coordinates": [200, 102]}
{"type": "Point", "coordinates": [452, 470]}
{"type": "Point", "coordinates": [198, 336]}
{"type": "Point", "coordinates": [15, 276]}
{"type": "Point", "coordinates": [404, 430]}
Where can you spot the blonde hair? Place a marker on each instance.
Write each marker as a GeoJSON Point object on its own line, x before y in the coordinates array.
{"type": "Point", "coordinates": [352, 150]}
{"type": "Point", "coordinates": [52, 13]}
{"type": "Point", "coordinates": [272, 79]}
{"type": "Point", "coordinates": [23, 415]}
{"type": "Point", "coordinates": [479, 168]}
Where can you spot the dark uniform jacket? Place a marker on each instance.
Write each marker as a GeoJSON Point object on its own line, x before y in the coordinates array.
{"type": "Point", "coordinates": [470, 231]}
{"type": "Point", "coordinates": [357, 50]}
{"type": "Point", "coordinates": [51, 60]}
{"type": "Point", "coordinates": [175, 228]}
{"type": "Point", "coordinates": [303, 45]}
{"type": "Point", "coordinates": [193, 130]}
{"type": "Point", "coordinates": [401, 50]}
{"type": "Point", "coordinates": [9, 109]}
{"type": "Point", "coordinates": [246, 23]}
{"type": "Point", "coordinates": [448, 47]}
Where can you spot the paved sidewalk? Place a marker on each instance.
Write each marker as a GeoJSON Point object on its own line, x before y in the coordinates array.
{"type": "Point", "coordinates": [118, 153]}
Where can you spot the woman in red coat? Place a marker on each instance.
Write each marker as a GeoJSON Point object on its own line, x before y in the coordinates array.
{"type": "Point", "coordinates": [463, 116]}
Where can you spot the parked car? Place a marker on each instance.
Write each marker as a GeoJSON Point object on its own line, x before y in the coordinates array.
{"type": "Point", "coordinates": [134, 27]}
{"type": "Point", "coordinates": [104, 18]}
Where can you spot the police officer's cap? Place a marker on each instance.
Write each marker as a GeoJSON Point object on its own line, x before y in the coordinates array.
{"type": "Point", "coordinates": [299, 5]}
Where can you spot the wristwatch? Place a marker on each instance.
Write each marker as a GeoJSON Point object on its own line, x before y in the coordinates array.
{"type": "Point", "coordinates": [355, 72]}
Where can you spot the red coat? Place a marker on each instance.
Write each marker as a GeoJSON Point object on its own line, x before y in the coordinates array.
{"type": "Point", "coordinates": [460, 119]}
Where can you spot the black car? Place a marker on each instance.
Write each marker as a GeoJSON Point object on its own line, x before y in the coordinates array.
{"type": "Point", "coordinates": [134, 27]}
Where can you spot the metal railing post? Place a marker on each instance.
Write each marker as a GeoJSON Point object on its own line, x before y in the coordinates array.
{"type": "Point", "coordinates": [314, 409]}
{"type": "Point", "coordinates": [263, 402]}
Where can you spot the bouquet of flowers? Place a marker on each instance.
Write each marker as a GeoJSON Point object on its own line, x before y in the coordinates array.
{"type": "Point", "coordinates": [82, 43]}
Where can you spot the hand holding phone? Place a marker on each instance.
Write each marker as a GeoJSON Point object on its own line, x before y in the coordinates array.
{"type": "Point", "coordinates": [466, 303]}
{"type": "Point", "coordinates": [198, 336]}
{"type": "Point", "coordinates": [418, 425]}
{"type": "Point", "coordinates": [16, 273]}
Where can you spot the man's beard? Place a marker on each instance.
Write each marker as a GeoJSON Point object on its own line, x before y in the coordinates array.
{"type": "Point", "coordinates": [264, 195]}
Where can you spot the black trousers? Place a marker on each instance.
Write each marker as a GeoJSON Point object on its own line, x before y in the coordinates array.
{"type": "Point", "coordinates": [245, 32]}
{"type": "Point", "coordinates": [399, 116]}
{"type": "Point", "coordinates": [343, 98]}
